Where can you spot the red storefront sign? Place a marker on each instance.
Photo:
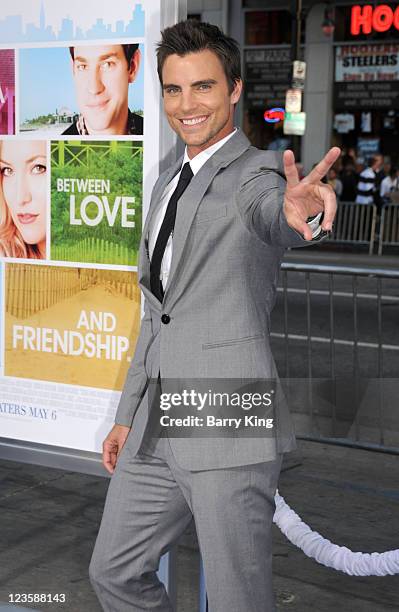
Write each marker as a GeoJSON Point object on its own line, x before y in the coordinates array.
{"type": "Point", "coordinates": [367, 18]}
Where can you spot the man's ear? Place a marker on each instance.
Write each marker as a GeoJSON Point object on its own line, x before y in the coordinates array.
{"type": "Point", "coordinates": [134, 65]}
{"type": "Point", "coordinates": [236, 93]}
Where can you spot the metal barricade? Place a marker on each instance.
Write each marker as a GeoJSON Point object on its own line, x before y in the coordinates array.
{"type": "Point", "coordinates": [355, 224]}
{"type": "Point", "coordinates": [389, 228]}
{"type": "Point", "coordinates": [361, 351]}
{"type": "Point", "coordinates": [330, 293]}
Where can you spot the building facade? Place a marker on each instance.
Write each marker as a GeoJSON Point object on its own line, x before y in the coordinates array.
{"type": "Point", "coordinates": [351, 89]}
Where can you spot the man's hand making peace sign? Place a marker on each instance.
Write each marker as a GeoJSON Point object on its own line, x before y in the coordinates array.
{"type": "Point", "coordinates": [309, 197]}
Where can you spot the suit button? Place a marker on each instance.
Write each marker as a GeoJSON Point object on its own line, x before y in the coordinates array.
{"type": "Point", "coordinates": [165, 319]}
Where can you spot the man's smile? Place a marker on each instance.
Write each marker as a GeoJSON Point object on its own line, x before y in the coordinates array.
{"type": "Point", "coordinates": [194, 120]}
{"type": "Point", "coordinates": [97, 105]}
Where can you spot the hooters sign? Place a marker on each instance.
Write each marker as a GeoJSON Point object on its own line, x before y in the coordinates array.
{"type": "Point", "coordinates": [367, 18]}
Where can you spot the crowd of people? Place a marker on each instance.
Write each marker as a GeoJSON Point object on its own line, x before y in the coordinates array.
{"type": "Point", "coordinates": [376, 182]}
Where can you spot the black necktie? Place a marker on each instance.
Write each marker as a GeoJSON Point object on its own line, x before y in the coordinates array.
{"type": "Point", "coordinates": [165, 231]}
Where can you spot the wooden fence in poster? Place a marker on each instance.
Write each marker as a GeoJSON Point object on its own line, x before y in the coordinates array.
{"type": "Point", "coordinates": [95, 250]}
{"type": "Point", "coordinates": [76, 153]}
{"type": "Point", "coordinates": [33, 288]}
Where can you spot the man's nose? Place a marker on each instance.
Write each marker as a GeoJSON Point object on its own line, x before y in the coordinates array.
{"type": "Point", "coordinates": [187, 102]}
{"type": "Point", "coordinates": [95, 84]}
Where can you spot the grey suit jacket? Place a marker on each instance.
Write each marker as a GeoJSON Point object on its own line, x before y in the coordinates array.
{"type": "Point", "coordinates": [229, 238]}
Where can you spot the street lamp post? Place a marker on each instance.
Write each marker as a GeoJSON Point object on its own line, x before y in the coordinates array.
{"type": "Point", "coordinates": [296, 29]}
{"type": "Point", "coordinates": [296, 13]}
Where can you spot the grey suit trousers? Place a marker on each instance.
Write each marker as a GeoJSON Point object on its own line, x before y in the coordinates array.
{"type": "Point", "coordinates": [150, 502]}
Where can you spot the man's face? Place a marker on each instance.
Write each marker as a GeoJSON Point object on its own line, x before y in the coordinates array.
{"type": "Point", "coordinates": [102, 78]}
{"type": "Point", "coordinates": [379, 162]}
{"type": "Point", "coordinates": [197, 101]}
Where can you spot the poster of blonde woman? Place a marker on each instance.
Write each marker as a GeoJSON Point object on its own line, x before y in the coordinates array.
{"type": "Point", "coordinates": [23, 198]}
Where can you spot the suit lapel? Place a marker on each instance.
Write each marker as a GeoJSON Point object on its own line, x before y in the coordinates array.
{"type": "Point", "coordinates": [157, 193]}
{"type": "Point", "coordinates": [186, 210]}
{"type": "Point", "coordinates": [192, 197]}
{"type": "Point", "coordinates": [144, 261]}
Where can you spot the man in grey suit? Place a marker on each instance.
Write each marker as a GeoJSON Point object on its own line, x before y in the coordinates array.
{"type": "Point", "coordinates": [218, 224]}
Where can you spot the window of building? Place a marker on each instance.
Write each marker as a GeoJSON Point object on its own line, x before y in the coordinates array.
{"type": "Point", "coordinates": [269, 28]}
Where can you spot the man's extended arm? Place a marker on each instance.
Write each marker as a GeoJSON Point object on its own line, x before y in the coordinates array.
{"type": "Point", "coordinates": [260, 200]}
{"type": "Point", "coordinates": [278, 210]}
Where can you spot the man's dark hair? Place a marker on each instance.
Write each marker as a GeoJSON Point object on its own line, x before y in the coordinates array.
{"type": "Point", "coordinates": [192, 36]}
{"type": "Point", "coordinates": [374, 158]}
{"type": "Point", "coordinates": [128, 50]}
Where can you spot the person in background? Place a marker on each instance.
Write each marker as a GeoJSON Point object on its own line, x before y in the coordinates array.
{"type": "Point", "coordinates": [360, 164]}
{"type": "Point", "coordinates": [389, 184]}
{"type": "Point", "coordinates": [381, 173]}
{"type": "Point", "coordinates": [349, 180]}
{"type": "Point", "coordinates": [367, 185]}
{"type": "Point", "coordinates": [334, 181]}
{"type": "Point", "coordinates": [349, 157]}
{"type": "Point", "coordinates": [23, 197]}
{"type": "Point", "coordinates": [386, 168]}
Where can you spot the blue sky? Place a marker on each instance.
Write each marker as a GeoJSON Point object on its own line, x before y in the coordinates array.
{"type": "Point", "coordinates": [46, 82]}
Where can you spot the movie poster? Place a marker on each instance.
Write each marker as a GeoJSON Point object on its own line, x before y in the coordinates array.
{"type": "Point", "coordinates": [70, 325]}
{"type": "Point", "coordinates": [1, 319]}
{"type": "Point", "coordinates": [82, 90]}
{"type": "Point", "coordinates": [96, 195]}
{"type": "Point", "coordinates": [79, 154]}
{"type": "Point", "coordinates": [24, 171]}
{"type": "Point", "coordinates": [7, 91]}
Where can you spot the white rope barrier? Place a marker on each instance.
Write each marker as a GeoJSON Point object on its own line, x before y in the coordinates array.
{"type": "Point", "coordinates": [329, 554]}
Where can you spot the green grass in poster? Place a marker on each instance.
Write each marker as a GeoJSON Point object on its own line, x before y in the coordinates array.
{"type": "Point", "coordinates": [96, 201]}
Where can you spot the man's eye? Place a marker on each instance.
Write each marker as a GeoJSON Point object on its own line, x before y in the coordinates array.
{"type": "Point", "coordinates": [204, 86]}
{"type": "Point", "coordinates": [6, 171]}
{"type": "Point", "coordinates": [171, 90]}
{"type": "Point", "coordinates": [81, 67]}
{"type": "Point", "coordinates": [107, 66]}
{"type": "Point", "coordinates": [39, 169]}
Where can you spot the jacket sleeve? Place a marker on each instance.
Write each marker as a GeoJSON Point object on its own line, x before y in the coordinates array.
{"type": "Point", "coordinates": [260, 198]}
{"type": "Point", "coordinates": [137, 379]}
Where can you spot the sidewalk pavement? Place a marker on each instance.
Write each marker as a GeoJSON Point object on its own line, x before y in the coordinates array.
{"type": "Point", "coordinates": [50, 518]}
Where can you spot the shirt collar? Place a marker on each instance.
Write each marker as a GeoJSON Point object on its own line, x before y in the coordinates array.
{"type": "Point", "coordinates": [199, 160]}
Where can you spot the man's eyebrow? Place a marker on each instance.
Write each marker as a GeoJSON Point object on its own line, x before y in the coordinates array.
{"type": "Point", "coordinates": [101, 58]}
{"type": "Point", "coordinates": [204, 82]}
{"type": "Point", "coordinates": [195, 84]}
{"type": "Point", "coordinates": [166, 85]}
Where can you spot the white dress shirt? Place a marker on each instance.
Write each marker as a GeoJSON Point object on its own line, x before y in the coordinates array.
{"type": "Point", "coordinates": [196, 164]}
